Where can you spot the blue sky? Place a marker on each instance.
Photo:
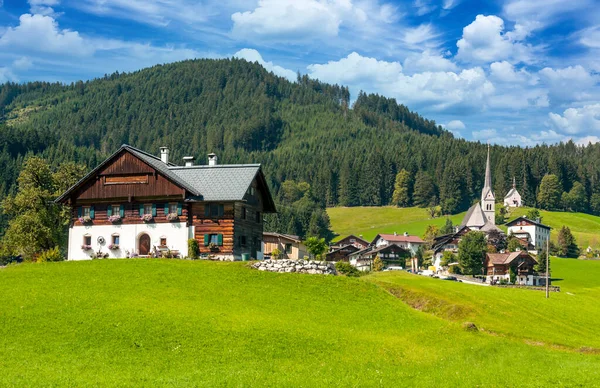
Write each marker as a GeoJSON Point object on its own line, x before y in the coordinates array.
{"type": "Point", "coordinates": [517, 72]}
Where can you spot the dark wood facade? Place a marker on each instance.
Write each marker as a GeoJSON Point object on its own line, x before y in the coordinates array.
{"type": "Point", "coordinates": [129, 183]}
{"type": "Point", "coordinates": [341, 254]}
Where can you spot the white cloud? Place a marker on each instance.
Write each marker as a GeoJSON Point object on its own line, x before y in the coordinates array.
{"type": "Point", "coordinates": [356, 69]}
{"type": "Point", "coordinates": [41, 33]}
{"type": "Point", "coordinates": [43, 7]}
{"type": "Point", "coordinates": [590, 37]}
{"type": "Point", "coordinates": [484, 41]}
{"type": "Point", "coordinates": [505, 72]}
{"type": "Point", "coordinates": [542, 13]}
{"type": "Point", "coordinates": [252, 55]}
{"type": "Point", "coordinates": [153, 12]}
{"type": "Point", "coordinates": [22, 63]}
{"type": "Point", "coordinates": [7, 75]}
{"type": "Point", "coordinates": [455, 125]}
{"type": "Point", "coordinates": [291, 20]}
{"type": "Point", "coordinates": [39, 39]}
{"type": "Point", "coordinates": [420, 36]}
{"type": "Point", "coordinates": [587, 140]}
{"type": "Point", "coordinates": [484, 134]}
{"type": "Point", "coordinates": [424, 7]}
{"type": "Point", "coordinates": [570, 83]}
{"type": "Point", "coordinates": [576, 121]}
{"type": "Point", "coordinates": [449, 4]}
{"type": "Point", "coordinates": [466, 90]}
{"type": "Point", "coordinates": [428, 61]}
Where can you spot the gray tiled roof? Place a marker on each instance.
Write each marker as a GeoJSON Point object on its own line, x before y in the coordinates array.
{"type": "Point", "coordinates": [220, 182]}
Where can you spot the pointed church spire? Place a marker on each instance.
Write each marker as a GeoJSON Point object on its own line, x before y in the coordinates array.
{"type": "Point", "coordinates": [488, 173]}
{"type": "Point", "coordinates": [514, 182]}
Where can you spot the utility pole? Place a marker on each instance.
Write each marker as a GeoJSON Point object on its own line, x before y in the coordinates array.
{"type": "Point", "coordinates": [547, 267]}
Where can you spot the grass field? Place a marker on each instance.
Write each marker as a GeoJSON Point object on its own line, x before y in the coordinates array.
{"type": "Point", "coordinates": [570, 318]}
{"type": "Point", "coordinates": [369, 221]}
{"type": "Point", "coordinates": [168, 322]}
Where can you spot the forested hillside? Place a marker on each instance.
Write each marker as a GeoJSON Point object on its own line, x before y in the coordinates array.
{"type": "Point", "coordinates": [305, 131]}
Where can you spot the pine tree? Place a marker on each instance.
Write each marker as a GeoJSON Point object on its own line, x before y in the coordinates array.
{"type": "Point", "coordinates": [424, 192]}
{"type": "Point", "coordinates": [549, 196]}
{"type": "Point", "coordinates": [567, 245]}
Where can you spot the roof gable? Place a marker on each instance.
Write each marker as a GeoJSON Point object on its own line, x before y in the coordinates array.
{"type": "Point", "coordinates": [527, 221]}
{"type": "Point", "coordinates": [346, 240]}
{"type": "Point", "coordinates": [154, 163]}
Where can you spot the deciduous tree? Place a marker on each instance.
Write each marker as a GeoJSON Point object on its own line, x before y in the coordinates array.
{"type": "Point", "coordinates": [471, 251]}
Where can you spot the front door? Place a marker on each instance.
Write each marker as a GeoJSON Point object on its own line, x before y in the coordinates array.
{"type": "Point", "coordinates": [144, 247]}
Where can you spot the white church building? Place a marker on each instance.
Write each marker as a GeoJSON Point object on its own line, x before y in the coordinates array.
{"type": "Point", "coordinates": [482, 215]}
{"type": "Point", "coordinates": [513, 198]}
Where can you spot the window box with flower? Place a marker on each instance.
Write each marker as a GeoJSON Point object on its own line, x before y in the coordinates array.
{"type": "Point", "coordinates": [147, 218]}
{"type": "Point", "coordinates": [113, 247]}
{"type": "Point", "coordinates": [86, 247]}
{"type": "Point", "coordinates": [85, 220]}
{"type": "Point", "coordinates": [172, 217]}
{"type": "Point", "coordinates": [115, 219]}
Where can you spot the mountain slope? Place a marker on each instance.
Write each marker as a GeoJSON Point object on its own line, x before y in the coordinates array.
{"type": "Point", "coordinates": [302, 131]}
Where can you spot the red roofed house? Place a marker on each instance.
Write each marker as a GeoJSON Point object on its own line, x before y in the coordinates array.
{"type": "Point", "coordinates": [406, 241]}
{"type": "Point", "coordinates": [498, 265]}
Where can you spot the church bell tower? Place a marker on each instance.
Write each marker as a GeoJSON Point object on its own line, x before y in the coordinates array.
{"type": "Point", "coordinates": [488, 200]}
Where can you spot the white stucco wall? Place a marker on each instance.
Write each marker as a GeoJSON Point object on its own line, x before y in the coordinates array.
{"type": "Point", "coordinates": [412, 247]}
{"type": "Point", "coordinates": [510, 201]}
{"type": "Point", "coordinates": [539, 236]}
{"type": "Point", "coordinates": [177, 234]}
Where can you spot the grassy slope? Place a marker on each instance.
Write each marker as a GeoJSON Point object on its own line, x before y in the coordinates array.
{"type": "Point", "coordinates": [569, 318]}
{"type": "Point", "coordinates": [161, 322]}
{"type": "Point", "coordinates": [369, 221]}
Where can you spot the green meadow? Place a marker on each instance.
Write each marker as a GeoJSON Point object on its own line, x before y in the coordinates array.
{"type": "Point", "coordinates": [150, 322]}
{"type": "Point", "coordinates": [369, 221]}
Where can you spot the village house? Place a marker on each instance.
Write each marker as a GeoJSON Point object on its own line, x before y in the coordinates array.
{"type": "Point", "coordinates": [342, 253]}
{"type": "Point", "coordinates": [390, 254]}
{"type": "Point", "coordinates": [406, 241]}
{"type": "Point", "coordinates": [357, 242]}
{"type": "Point", "coordinates": [289, 246]}
{"type": "Point", "coordinates": [448, 242]}
{"type": "Point", "coordinates": [135, 203]}
{"type": "Point", "coordinates": [534, 233]}
{"type": "Point", "coordinates": [498, 267]}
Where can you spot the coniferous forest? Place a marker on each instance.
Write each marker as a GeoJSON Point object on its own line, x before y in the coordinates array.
{"type": "Point", "coordinates": [317, 148]}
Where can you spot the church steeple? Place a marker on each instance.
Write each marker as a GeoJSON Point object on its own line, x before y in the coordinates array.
{"type": "Point", "coordinates": [488, 200]}
{"type": "Point", "coordinates": [487, 187]}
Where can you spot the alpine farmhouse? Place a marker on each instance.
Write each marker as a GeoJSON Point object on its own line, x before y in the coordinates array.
{"type": "Point", "coordinates": [137, 204]}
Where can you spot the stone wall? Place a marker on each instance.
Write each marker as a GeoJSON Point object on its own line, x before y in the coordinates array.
{"type": "Point", "coordinates": [300, 266]}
